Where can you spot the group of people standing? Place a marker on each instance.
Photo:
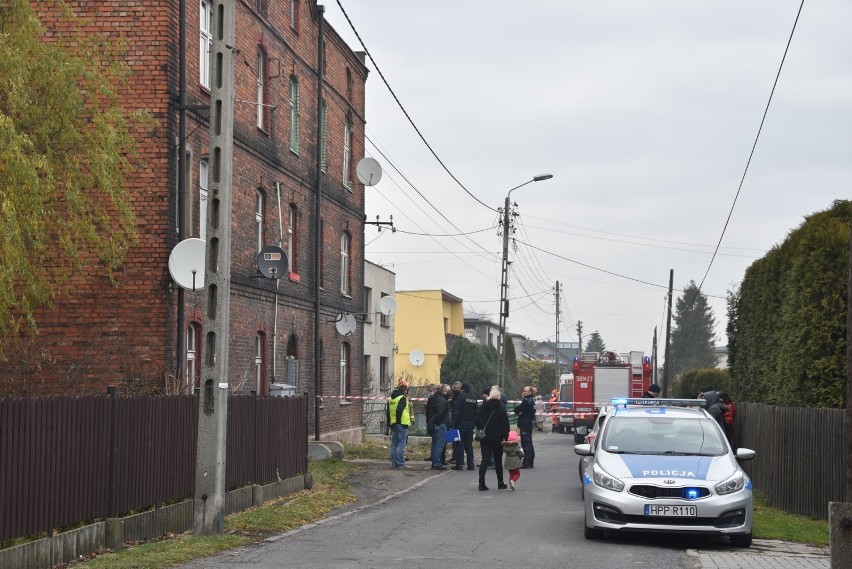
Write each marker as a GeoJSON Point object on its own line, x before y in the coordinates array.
{"type": "Point", "coordinates": [455, 407]}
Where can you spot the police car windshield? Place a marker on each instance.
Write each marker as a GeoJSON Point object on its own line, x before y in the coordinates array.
{"type": "Point", "coordinates": [675, 436]}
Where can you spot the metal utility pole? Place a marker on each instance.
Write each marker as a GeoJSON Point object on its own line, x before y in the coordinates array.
{"type": "Point", "coordinates": [558, 375]}
{"type": "Point", "coordinates": [654, 357]}
{"type": "Point", "coordinates": [213, 400]}
{"type": "Point", "coordinates": [667, 363]}
{"type": "Point", "coordinates": [504, 282]}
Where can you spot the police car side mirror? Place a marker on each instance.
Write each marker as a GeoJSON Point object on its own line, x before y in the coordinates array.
{"type": "Point", "coordinates": [745, 454]}
{"type": "Point", "coordinates": [583, 450]}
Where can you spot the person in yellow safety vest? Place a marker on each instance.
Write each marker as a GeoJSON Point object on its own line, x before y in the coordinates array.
{"type": "Point", "coordinates": [554, 408]}
{"type": "Point", "coordinates": [400, 415]}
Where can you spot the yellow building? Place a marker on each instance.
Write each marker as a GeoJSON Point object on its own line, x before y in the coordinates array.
{"type": "Point", "coordinates": [423, 319]}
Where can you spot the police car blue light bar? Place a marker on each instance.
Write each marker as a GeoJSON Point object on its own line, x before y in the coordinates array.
{"type": "Point", "coordinates": [657, 402]}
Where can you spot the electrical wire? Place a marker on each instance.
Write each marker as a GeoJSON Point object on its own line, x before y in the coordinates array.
{"type": "Point", "coordinates": [405, 112]}
{"type": "Point", "coordinates": [754, 146]}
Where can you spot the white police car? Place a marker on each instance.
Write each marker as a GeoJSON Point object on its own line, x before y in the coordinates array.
{"type": "Point", "coordinates": [664, 465]}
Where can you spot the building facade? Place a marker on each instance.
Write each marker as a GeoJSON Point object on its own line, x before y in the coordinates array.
{"type": "Point", "coordinates": [379, 283]}
{"type": "Point", "coordinates": [425, 321]}
{"type": "Point", "coordinates": [482, 331]}
{"type": "Point", "coordinates": [296, 142]}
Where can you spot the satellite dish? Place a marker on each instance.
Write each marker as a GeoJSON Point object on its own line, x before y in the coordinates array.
{"type": "Point", "coordinates": [387, 305]}
{"type": "Point", "coordinates": [345, 324]}
{"type": "Point", "coordinates": [416, 358]}
{"type": "Point", "coordinates": [186, 263]}
{"type": "Point", "coordinates": [272, 262]}
{"type": "Point", "coordinates": [369, 171]}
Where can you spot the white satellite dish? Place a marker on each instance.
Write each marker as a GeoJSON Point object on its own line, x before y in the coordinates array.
{"type": "Point", "coordinates": [369, 171]}
{"type": "Point", "coordinates": [345, 324]}
{"type": "Point", "coordinates": [387, 305]}
{"type": "Point", "coordinates": [416, 358]}
{"type": "Point", "coordinates": [186, 263]}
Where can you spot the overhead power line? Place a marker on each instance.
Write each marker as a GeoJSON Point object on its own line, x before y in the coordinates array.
{"type": "Point", "coordinates": [407, 116]}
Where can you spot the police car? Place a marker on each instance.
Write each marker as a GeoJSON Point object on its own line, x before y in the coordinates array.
{"type": "Point", "coordinates": [664, 465]}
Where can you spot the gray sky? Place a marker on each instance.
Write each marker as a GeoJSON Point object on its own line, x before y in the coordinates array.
{"type": "Point", "coordinates": [645, 112]}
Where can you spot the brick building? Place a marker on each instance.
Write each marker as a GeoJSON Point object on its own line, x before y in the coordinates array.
{"type": "Point", "coordinates": [288, 134]}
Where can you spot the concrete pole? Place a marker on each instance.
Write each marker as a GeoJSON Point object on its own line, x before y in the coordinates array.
{"type": "Point", "coordinates": [668, 347]}
{"type": "Point", "coordinates": [213, 400]}
{"type": "Point", "coordinates": [504, 298]}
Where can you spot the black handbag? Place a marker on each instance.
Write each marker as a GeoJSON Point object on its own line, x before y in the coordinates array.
{"type": "Point", "coordinates": [480, 433]}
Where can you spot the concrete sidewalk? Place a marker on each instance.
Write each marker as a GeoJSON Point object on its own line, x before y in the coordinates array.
{"type": "Point", "coordinates": [764, 553]}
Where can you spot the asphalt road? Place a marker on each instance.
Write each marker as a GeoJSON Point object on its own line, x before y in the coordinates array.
{"type": "Point", "coordinates": [440, 518]}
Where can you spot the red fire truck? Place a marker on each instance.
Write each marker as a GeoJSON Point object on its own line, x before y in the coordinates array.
{"type": "Point", "coordinates": [598, 377]}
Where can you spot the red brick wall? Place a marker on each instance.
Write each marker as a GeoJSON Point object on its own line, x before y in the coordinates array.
{"type": "Point", "coordinates": [125, 335]}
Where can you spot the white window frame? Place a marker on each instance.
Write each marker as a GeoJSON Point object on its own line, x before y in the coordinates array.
{"type": "Point", "coordinates": [205, 41]}
{"type": "Point", "coordinates": [258, 361]}
{"type": "Point", "coordinates": [294, 15]}
{"type": "Point", "coordinates": [344, 369]}
{"type": "Point", "coordinates": [191, 355]}
{"type": "Point", "coordinates": [203, 170]}
{"type": "Point", "coordinates": [345, 242]}
{"type": "Point", "coordinates": [347, 155]}
{"type": "Point", "coordinates": [261, 101]}
{"type": "Point", "coordinates": [258, 218]}
{"type": "Point", "coordinates": [294, 114]}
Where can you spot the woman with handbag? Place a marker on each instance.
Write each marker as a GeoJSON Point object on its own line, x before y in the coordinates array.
{"type": "Point", "coordinates": [493, 421]}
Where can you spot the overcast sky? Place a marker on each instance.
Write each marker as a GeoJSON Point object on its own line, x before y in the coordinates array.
{"type": "Point", "coordinates": [645, 112]}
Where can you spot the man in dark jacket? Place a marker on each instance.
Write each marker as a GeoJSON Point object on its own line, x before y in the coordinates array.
{"type": "Point", "coordinates": [715, 407]}
{"type": "Point", "coordinates": [465, 407]}
{"type": "Point", "coordinates": [455, 394]}
{"type": "Point", "coordinates": [437, 421]}
{"type": "Point", "coordinates": [526, 417]}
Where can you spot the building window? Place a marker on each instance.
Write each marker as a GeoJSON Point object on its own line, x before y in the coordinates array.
{"type": "Point", "coordinates": [206, 42]}
{"type": "Point", "coordinates": [261, 90]}
{"type": "Point", "coordinates": [294, 15]}
{"type": "Point", "coordinates": [261, 6]}
{"type": "Point", "coordinates": [293, 239]}
{"type": "Point", "coordinates": [384, 319]}
{"type": "Point", "coordinates": [323, 138]}
{"type": "Point", "coordinates": [347, 155]}
{"type": "Point", "coordinates": [294, 115]}
{"type": "Point", "coordinates": [344, 263]}
{"type": "Point", "coordinates": [186, 222]}
{"type": "Point", "coordinates": [202, 200]}
{"type": "Point", "coordinates": [345, 381]}
{"type": "Point", "coordinates": [259, 367]}
{"type": "Point", "coordinates": [258, 219]}
{"type": "Point", "coordinates": [384, 378]}
{"type": "Point", "coordinates": [193, 359]}
{"type": "Point", "coordinates": [368, 304]}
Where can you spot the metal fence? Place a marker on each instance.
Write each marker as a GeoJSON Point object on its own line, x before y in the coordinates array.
{"type": "Point", "coordinates": [801, 455]}
{"type": "Point", "coordinates": [70, 460]}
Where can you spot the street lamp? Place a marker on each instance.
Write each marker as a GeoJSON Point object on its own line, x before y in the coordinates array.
{"type": "Point", "coordinates": [504, 282]}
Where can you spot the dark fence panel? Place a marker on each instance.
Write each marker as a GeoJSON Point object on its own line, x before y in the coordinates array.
{"type": "Point", "coordinates": [801, 455]}
{"type": "Point", "coordinates": [55, 454]}
{"type": "Point", "coordinates": [155, 450]}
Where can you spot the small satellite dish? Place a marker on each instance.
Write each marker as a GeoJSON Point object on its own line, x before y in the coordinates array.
{"type": "Point", "coordinates": [416, 358]}
{"type": "Point", "coordinates": [369, 171]}
{"type": "Point", "coordinates": [272, 262]}
{"type": "Point", "coordinates": [387, 305]}
{"type": "Point", "coordinates": [345, 324]}
{"type": "Point", "coordinates": [186, 263]}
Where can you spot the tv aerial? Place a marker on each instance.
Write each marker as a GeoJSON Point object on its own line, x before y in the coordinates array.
{"type": "Point", "coordinates": [369, 171]}
{"type": "Point", "coordinates": [345, 324]}
{"type": "Point", "coordinates": [416, 357]}
{"type": "Point", "coordinates": [272, 262]}
{"type": "Point", "coordinates": [387, 305]}
{"type": "Point", "coordinates": [186, 263]}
